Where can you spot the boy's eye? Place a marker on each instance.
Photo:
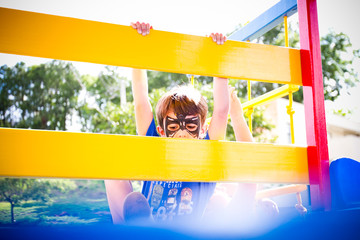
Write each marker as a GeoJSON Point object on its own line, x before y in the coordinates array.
{"type": "Point", "coordinates": [173, 127]}
{"type": "Point", "coordinates": [191, 127]}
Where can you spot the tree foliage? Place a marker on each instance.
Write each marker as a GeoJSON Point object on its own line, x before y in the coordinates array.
{"type": "Point", "coordinates": [38, 97]}
{"type": "Point", "coordinates": [337, 64]}
{"type": "Point", "coordinates": [100, 110]}
{"type": "Point", "coordinates": [336, 57]}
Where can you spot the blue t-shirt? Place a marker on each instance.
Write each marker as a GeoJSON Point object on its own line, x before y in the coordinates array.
{"type": "Point", "coordinates": [170, 200]}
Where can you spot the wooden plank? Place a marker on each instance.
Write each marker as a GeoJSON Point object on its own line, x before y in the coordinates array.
{"type": "Point", "coordinates": [37, 153]}
{"type": "Point", "coordinates": [64, 38]}
{"type": "Point", "coordinates": [266, 21]}
{"type": "Point", "coordinates": [316, 133]}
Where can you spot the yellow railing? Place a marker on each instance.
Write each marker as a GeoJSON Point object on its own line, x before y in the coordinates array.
{"type": "Point", "coordinates": [270, 96]}
{"type": "Point", "coordinates": [64, 38]}
{"type": "Point", "coordinates": [31, 153]}
{"type": "Point", "coordinates": [37, 153]}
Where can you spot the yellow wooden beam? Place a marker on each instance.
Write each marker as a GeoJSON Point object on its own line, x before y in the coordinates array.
{"type": "Point", "coordinates": [37, 153]}
{"type": "Point", "coordinates": [270, 96]}
{"type": "Point", "coordinates": [64, 38]}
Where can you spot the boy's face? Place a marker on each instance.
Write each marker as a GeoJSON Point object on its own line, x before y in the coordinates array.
{"type": "Point", "coordinates": [181, 126]}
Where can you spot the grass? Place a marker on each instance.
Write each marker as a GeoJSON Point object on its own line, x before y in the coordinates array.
{"type": "Point", "coordinates": [76, 207]}
{"type": "Point", "coordinates": [86, 204]}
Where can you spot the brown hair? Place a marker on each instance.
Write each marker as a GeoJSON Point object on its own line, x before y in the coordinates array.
{"type": "Point", "coordinates": [183, 99]}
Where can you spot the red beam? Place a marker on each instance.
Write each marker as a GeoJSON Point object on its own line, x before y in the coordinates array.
{"type": "Point", "coordinates": [318, 156]}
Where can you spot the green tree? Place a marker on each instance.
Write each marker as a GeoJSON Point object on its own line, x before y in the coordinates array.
{"type": "Point", "coordinates": [336, 58]}
{"type": "Point", "coordinates": [15, 190]}
{"type": "Point", "coordinates": [169, 80]}
{"type": "Point", "coordinates": [101, 110]}
{"type": "Point", "coordinates": [273, 37]}
{"type": "Point", "coordinates": [38, 97]}
{"type": "Point", "coordinates": [338, 71]}
{"type": "Point", "coordinates": [337, 64]}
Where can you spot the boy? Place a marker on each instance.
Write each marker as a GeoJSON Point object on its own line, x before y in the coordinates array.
{"type": "Point", "coordinates": [180, 113]}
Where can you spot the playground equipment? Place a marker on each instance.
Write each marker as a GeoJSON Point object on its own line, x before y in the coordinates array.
{"type": "Point", "coordinates": [100, 156]}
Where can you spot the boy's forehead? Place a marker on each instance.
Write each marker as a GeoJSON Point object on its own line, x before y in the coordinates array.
{"type": "Point", "coordinates": [171, 114]}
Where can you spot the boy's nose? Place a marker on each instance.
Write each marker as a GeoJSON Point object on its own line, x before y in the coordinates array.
{"type": "Point", "coordinates": [182, 134]}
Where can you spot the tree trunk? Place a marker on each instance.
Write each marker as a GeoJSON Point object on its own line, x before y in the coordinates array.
{"type": "Point", "coordinates": [12, 213]}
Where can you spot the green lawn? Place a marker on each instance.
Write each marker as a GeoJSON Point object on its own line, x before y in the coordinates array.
{"type": "Point", "coordinates": [60, 211]}
{"type": "Point", "coordinates": [85, 205]}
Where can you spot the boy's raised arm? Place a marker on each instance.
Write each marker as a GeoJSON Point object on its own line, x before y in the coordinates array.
{"type": "Point", "coordinates": [243, 200]}
{"type": "Point", "coordinates": [143, 112]}
{"type": "Point", "coordinates": [241, 129]}
{"type": "Point", "coordinates": [217, 128]}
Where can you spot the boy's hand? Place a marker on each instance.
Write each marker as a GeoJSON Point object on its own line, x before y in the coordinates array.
{"type": "Point", "coordinates": [219, 38]}
{"type": "Point", "coordinates": [142, 28]}
{"type": "Point", "coordinates": [235, 104]}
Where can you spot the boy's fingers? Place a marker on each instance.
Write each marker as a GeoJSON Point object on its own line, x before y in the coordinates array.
{"type": "Point", "coordinates": [219, 38]}
{"type": "Point", "coordinates": [147, 28]}
{"type": "Point", "coordinates": [138, 27]}
{"type": "Point", "coordinates": [143, 29]}
{"type": "Point", "coordinates": [231, 93]}
{"type": "Point", "coordinates": [223, 39]}
{"type": "Point", "coordinates": [213, 37]}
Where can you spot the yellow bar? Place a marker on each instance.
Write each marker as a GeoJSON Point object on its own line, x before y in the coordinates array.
{"type": "Point", "coordinates": [249, 114]}
{"type": "Point", "coordinates": [286, 32]}
{"type": "Point", "coordinates": [64, 38]}
{"type": "Point", "coordinates": [37, 153]}
{"type": "Point", "coordinates": [270, 96]}
{"type": "Point", "coordinates": [291, 112]}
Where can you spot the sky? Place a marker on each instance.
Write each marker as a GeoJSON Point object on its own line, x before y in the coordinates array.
{"type": "Point", "coordinates": [196, 17]}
